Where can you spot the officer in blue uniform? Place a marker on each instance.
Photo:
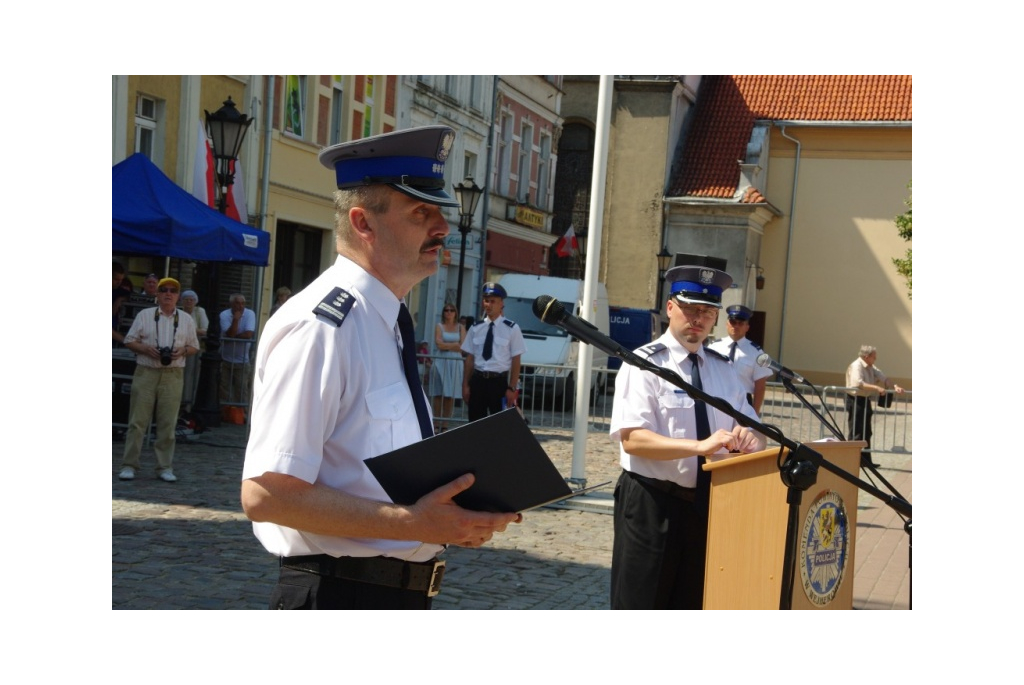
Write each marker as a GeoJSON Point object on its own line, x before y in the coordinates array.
{"type": "Point", "coordinates": [661, 498]}
{"type": "Point", "coordinates": [332, 389]}
{"type": "Point", "coordinates": [494, 349]}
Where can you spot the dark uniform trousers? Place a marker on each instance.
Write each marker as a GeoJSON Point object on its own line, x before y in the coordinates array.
{"type": "Point", "coordinates": [659, 548]}
{"type": "Point", "coordinates": [486, 391]}
{"type": "Point", "coordinates": [858, 417]}
{"type": "Point", "coordinates": [301, 590]}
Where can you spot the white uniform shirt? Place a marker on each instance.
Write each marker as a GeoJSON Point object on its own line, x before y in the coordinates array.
{"type": "Point", "coordinates": [745, 360]}
{"type": "Point", "coordinates": [508, 343]}
{"type": "Point", "coordinates": [644, 400]}
{"type": "Point", "coordinates": [326, 397]}
{"type": "Point", "coordinates": [148, 331]}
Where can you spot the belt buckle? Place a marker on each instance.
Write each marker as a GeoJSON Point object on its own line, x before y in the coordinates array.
{"type": "Point", "coordinates": [435, 578]}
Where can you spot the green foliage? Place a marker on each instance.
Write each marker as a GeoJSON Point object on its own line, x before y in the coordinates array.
{"type": "Point", "coordinates": [904, 225]}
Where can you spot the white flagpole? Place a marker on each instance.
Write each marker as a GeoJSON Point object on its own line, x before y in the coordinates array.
{"type": "Point", "coordinates": [588, 310]}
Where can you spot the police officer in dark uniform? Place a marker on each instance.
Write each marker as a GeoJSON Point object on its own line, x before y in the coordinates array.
{"type": "Point", "coordinates": [494, 348]}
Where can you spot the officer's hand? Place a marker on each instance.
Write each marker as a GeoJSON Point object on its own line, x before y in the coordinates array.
{"type": "Point", "coordinates": [445, 522]}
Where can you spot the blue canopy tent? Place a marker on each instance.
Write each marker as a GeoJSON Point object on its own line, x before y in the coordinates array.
{"type": "Point", "coordinates": [154, 216]}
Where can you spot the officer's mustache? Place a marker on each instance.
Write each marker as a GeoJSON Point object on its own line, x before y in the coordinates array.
{"type": "Point", "coordinates": [432, 243]}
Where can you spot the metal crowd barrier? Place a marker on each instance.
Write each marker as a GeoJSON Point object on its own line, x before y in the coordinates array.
{"type": "Point", "coordinates": [544, 407]}
{"type": "Point", "coordinates": [235, 379]}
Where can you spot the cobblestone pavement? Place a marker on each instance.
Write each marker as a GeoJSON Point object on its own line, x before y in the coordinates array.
{"type": "Point", "coordinates": [187, 545]}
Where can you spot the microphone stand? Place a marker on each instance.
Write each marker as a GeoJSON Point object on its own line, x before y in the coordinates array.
{"type": "Point", "coordinates": [907, 526]}
{"type": "Point", "coordinates": [799, 471]}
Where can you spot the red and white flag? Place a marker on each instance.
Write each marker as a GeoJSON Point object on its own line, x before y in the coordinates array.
{"type": "Point", "coordinates": [205, 179]}
{"type": "Point", "coordinates": [567, 245]}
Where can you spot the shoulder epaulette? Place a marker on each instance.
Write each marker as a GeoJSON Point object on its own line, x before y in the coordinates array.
{"type": "Point", "coordinates": [335, 306]}
{"type": "Point", "coordinates": [756, 346]}
{"type": "Point", "coordinates": [716, 353]}
{"type": "Point", "coordinates": [650, 350]}
{"type": "Point", "coordinates": [510, 323]}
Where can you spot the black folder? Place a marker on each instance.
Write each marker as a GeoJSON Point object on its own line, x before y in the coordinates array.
{"type": "Point", "coordinates": [513, 473]}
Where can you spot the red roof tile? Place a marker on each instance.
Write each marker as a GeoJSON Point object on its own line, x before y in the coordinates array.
{"type": "Point", "coordinates": [727, 107]}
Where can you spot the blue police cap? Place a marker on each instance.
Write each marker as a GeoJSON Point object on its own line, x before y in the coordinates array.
{"type": "Point", "coordinates": [494, 289]}
{"type": "Point", "coordinates": [738, 311]}
{"type": "Point", "coordinates": [698, 284]}
{"type": "Point", "coordinates": [410, 161]}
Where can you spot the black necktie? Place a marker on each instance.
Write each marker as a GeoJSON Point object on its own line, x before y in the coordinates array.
{"type": "Point", "coordinates": [732, 351]}
{"type": "Point", "coordinates": [412, 376]}
{"type": "Point", "coordinates": [703, 427]}
{"type": "Point", "coordinates": [489, 341]}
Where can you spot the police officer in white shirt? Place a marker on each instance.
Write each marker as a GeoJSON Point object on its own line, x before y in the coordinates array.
{"type": "Point", "coordinates": [661, 501]}
{"type": "Point", "coordinates": [330, 392]}
{"type": "Point", "coordinates": [494, 349]}
{"type": "Point", "coordinates": [743, 354]}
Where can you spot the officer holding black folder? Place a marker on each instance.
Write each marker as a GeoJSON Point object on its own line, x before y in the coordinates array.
{"type": "Point", "coordinates": [336, 383]}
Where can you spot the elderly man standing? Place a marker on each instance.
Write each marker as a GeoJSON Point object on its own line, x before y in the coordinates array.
{"type": "Point", "coordinates": [336, 383]}
{"type": "Point", "coordinates": [237, 327]}
{"type": "Point", "coordinates": [161, 338]}
{"type": "Point", "coordinates": [866, 381]}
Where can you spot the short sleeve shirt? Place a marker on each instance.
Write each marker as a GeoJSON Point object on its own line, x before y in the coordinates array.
{"type": "Point", "coordinates": [645, 400]}
{"type": "Point", "coordinates": [325, 398]}
{"type": "Point", "coordinates": [162, 330]}
{"type": "Point", "coordinates": [508, 343]}
{"type": "Point", "coordinates": [745, 360]}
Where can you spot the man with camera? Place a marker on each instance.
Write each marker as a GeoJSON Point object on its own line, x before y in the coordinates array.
{"type": "Point", "coordinates": [161, 337]}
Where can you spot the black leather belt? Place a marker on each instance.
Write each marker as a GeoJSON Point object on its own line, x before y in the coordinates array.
{"type": "Point", "coordinates": [490, 374]}
{"type": "Point", "coordinates": [665, 486]}
{"type": "Point", "coordinates": [422, 576]}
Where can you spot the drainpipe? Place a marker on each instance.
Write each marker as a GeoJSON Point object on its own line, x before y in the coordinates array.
{"type": "Point", "coordinates": [268, 112]}
{"type": "Point", "coordinates": [789, 241]}
{"type": "Point", "coordinates": [487, 201]}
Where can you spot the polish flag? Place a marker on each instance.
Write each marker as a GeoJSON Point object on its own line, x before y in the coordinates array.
{"type": "Point", "coordinates": [204, 185]}
{"type": "Point", "coordinates": [567, 245]}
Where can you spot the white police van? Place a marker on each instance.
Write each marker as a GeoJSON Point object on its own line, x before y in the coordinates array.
{"type": "Point", "coordinates": [549, 364]}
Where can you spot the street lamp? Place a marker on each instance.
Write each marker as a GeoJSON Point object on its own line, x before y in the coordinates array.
{"type": "Point", "coordinates": [226, 129]}
{"type": "Point", "coordinates": [468, 194]}
{"type": "Point", "coordinates": [664, 259]}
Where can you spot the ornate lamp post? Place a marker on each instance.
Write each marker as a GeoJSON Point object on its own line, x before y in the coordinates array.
{"type": "Point", "coordinates": [226, 129]}
{"type": "Point", "coordinates": [468, 194]}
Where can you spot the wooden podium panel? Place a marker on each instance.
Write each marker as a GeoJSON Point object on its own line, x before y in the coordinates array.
{"type": "Point", "coordinates": [747, 529]}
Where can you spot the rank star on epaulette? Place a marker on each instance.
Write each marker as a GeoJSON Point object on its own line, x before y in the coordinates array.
{"type": "Point", "coordinates": [335, 307]}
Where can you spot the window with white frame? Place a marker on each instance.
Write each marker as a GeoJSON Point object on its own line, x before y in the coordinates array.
{"type": "Point", "coordinates": [146, 126]}
{"type": "Point", "coordinates": [476, 92]}
{"type": "Point", "coordinates": [525, 159]}
{"type": "Point", "coordinates": [337, 111]}
{"type": "Point", "coordinates": [451, 85]}
{"type": "Point", "coordinates": [543, 170]}
{"type": "Point", "coordinates": [504, 152]}
{"type": "Point", "coordinates": [469, 166]}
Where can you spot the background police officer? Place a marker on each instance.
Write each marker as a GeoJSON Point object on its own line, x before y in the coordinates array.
{"type": "Point", "coordinates": [494, 348]}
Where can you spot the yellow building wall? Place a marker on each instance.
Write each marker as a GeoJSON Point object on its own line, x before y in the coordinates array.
{"type": "Point", "coordinates": [843, 290]}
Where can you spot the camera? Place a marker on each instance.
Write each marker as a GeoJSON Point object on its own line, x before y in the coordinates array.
{"type": "Point", "coordinates": [165, 355]}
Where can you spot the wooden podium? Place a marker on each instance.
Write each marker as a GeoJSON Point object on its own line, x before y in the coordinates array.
{"type": "Point", "coordinates": [747, 532]}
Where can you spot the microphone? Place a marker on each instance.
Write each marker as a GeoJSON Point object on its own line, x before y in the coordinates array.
{"type": "Point", "coordinates": [764, 360]}
{"type": "Point", "coordinates": [551, 311]}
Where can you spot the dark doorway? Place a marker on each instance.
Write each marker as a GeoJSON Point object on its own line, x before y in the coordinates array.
{"type": "Point", "coordinates": [296, 255]}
